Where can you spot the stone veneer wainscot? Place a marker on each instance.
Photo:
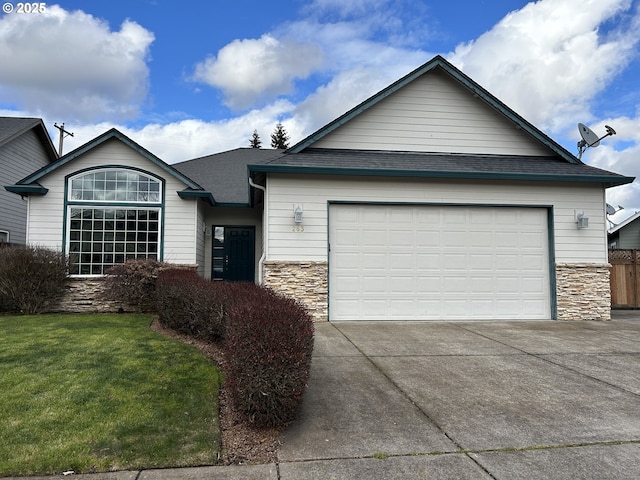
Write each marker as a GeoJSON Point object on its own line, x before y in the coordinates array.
{"type": "Point", "coordinates": [583, 291]}
{"type": "Point", "coordinates": [304, 281]}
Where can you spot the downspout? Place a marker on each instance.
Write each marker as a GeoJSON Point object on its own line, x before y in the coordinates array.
{"type": "Point", "coordinates": [264, 231]}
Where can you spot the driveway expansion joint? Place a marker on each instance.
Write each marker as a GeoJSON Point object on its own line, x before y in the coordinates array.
{"type": "Point", "coordinates": [541, 356]}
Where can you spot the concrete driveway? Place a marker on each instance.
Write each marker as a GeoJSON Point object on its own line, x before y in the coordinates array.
{"type": "Point", "coordinates": [501, 400]}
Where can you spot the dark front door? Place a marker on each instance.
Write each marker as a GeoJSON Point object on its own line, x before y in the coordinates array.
{"type": "Point", "coordinates": [233, 256]}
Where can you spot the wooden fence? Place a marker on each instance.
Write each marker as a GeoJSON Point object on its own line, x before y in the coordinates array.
{"type": "Point", "coordinates": [625, 279]}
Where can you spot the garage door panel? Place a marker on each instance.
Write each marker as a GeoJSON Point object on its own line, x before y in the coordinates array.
{"type": "Point", "coordinates": [402, 284]}
{"type": "Point", "coordinates": [401, 217]}
{"type": "Point", "coordinates": [350, 286]}
{"type": "Point", "coordinates": [372, 238]}
{"type": "Point", "coordinates": [427, 261]}
{"type": "Point", "coordinates": [348, 260]}
{"type": "Point", "coordinates": [478, 284]}
{"type": "Point", "coordinates": [480, 239]}
{"type": "Point", "coordinates": [482, 261]}
{"type": "Point", "coordinates": [507, 261]}
{"type": "Point", "coordinates": [401, 238]}
{"type": "Point", "coordinates": [402, 261]}
{"type": "Point", "coordinates": [347, 236]}
{"type": "Point", "coordinates": [374, 284]}
{"type": "Point", "coordinates": [454, 261]}
{"type": "Point", "coordinates": [438, 263]}
{"type": "Point", "coordinates": [530, 262]}
{"type": "Point", "coordinates": [372, 307]}
{"type": "Point", "coordinates": [429, 284]}
{"type": "Point", "coordinates": [453, 216]}
{"type": "Point", "coordinates": [532, 240]}
{"type": "Point", "coordinates": [505, 239]}
{"type": "Point", "coordinates": [533, 285]}
{"type": "Point", "coordinates": [507, 284]}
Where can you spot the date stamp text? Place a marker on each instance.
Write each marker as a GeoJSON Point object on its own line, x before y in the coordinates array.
{"type": "Point", "coordinates": [24, 8]}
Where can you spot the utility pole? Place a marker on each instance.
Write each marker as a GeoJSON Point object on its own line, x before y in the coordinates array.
{"type": "Point", "coordinates": [63, 132]}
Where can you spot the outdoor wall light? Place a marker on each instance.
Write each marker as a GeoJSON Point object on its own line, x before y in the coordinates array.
{"type": "Point", "coordinates": [582, 220]}
{"type": "Point", "coordinates": [297, 215]}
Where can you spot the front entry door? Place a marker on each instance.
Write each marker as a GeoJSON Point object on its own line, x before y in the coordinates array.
{"type": "Point", "coordinates": [233, 256]}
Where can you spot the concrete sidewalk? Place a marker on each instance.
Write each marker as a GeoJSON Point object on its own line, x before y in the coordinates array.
{"type": "Point", "coordinates": [483, 400]}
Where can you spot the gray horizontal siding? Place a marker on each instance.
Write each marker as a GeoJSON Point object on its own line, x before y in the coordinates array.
{"type": "Point", "coordinates": [18, 158]}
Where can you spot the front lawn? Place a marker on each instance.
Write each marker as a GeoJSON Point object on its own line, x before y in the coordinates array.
{"type": "Point", "coordinates": [102, 392]}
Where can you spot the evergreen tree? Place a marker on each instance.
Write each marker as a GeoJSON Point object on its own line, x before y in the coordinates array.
{"type": "Point", "coordinates": [279, 137]}
{"type": "Point", "coordinates": [255, 141]}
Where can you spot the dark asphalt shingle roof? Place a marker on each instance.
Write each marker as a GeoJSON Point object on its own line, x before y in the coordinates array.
{"type": "Point", "coordinates": [225, 174]}
{"type": "Point", "coordinates": [13, 127]}
{"type": "Point", "coordinates": [437, 165]}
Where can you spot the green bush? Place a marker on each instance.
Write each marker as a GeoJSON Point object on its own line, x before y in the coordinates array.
{"type": "Point", "coordinates": [268, 347]}
{"type": "Point", "coordinates": [31, 277]}
{"type": "Point", "coordinates": [133, 283]}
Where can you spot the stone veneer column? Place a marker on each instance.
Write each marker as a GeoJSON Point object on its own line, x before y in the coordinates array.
{"type": "Point", "coordinates": [304, 281]}
{"type": "Point", "coordinates": [583, 291]}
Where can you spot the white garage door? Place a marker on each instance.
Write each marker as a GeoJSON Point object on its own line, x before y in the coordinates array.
{"type": "Point", "coordinates": [407, 262]}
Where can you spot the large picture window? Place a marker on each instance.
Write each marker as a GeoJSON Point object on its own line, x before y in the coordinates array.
{"type": "Point", "coordinates": [112, 216]}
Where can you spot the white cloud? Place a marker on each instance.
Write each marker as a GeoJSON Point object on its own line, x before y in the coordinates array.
{"type": "Point", "coordinates": [620, 154]}
{"type": "Point", "coordinates": [72, 66]}
{"type": "Point", "coordinates": [187, 139]}
{"type": "Point", "coordinates": [332, 38]}
{"type": "Point", "coordinates": [248, 71]}
{"type": "Point", "coordinates": [550, 59]}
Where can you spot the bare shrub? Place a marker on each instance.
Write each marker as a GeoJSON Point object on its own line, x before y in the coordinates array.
{"type": "Point", "coordinates": [134, 283]}
{"type": "Point", "coordinates": [32, 277]}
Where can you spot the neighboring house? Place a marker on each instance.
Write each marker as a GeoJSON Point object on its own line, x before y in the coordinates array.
{"type": "Point", "coordinates": [626, 235]}
{"type": "Point", "coordinates": [431, 200]}
{"type": "Point", "coordinates": [24, 147]}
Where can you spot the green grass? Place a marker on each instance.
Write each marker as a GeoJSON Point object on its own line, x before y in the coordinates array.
{"type": "Point", "coordinates": [102, 392]}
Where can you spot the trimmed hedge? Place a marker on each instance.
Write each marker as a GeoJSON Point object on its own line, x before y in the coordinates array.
{"type": "Point", "coordinates": [269, 341]}
{"type": "Point", "coordinates": [189, 304]}
{"type": "Point", "coordinates": [134, 282]}
{"type": "Point", "coordinates": [31, 278]}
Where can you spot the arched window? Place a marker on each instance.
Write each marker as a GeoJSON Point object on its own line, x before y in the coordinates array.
{"type": "Point", "coordinates": [113, 215]}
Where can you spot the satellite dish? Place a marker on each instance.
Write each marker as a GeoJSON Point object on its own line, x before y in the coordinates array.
{"type": "Point", "coordinates": [590, 138]}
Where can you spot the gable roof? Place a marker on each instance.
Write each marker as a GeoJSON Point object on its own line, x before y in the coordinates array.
{"type": "Point", "coordinates": [29, 185]}
{"type": "Point", "coordinates": [624, 223]}
{"type": "Point", "coordinates": [559, 166]}
{"type": "Point", "coordinates": [439, 63]}
{"type": "Point", "coordinates": [226, 173]}
{"type": "Point", "coordinates": [12, 127]}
